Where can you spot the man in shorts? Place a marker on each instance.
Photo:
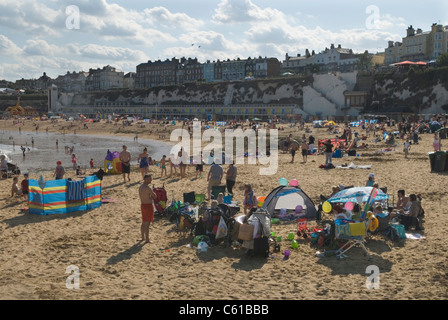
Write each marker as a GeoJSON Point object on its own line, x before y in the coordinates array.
{"type": "Point", "coordinates": [214, 177]}
{"type": "Point", "coordinates": [125, 158]}
{"type": "Point", "coordinates": [147, 197]}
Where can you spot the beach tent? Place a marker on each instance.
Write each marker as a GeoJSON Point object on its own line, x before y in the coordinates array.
{"type": "Point", "coordinates": [112, 163]}
{"type": "Point", "coordinates": [289, 197]}
{"type": "Point", "coordinates": [64, 196]}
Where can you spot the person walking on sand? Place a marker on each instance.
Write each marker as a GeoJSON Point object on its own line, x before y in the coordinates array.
{"type": "Point", "coordinates": [305, 149]}
{"type": "Point", "coordinates": [231, 177]}
{"type": "Point", "coordinates": [163, 166]}
{"type": "Point", "coordinates": [328, 152]}
{"type": "Point", "coordinates": [125, 158]}
{"type": "Point", "coordinates": [294, 148]}
{"type": "Point", "coordinates": [147, 197]}
{"type": "Point", "coordinates": [143, 160]}
{"type": "Point", "coordinates": [74, 161]}
{"type": "Point", "coordinates": [406, 147]}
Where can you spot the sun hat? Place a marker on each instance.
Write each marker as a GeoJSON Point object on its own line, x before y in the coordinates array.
{"type": "Point", "coordinates": [59, 162]}
{"type": "Point", "coordinates": [371, 175]}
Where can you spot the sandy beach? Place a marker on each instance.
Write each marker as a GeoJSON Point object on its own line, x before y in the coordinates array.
{"type": "Point", "coordinates": [103, 243]}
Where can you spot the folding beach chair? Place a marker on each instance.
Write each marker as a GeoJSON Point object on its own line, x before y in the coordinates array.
{"type": "Point", "coordinates": [216, 190]}
{"type": "Point", "coordinates": [199, 198]}
{"type": "Point", "coordinates": [190, 197]}
{"type": "Point", "coordinates": [354, 233]}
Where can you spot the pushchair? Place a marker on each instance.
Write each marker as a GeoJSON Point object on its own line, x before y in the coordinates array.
{"type": "Point", "coordinates": [185, 221]}
{"type": "Point", "coordinates": [211, 223]}
{"type": "Point", "coordinates": [160, 203]}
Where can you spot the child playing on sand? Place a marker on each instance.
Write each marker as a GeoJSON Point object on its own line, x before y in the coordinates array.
{"type": "Point", "coordinates": [74, 161]}
{"type": "Point", "coordinates": [250, 200]}
{"type": "Point", "coordinates": [163, 165]}
{"type": "Point", "coordinates": [220, 198]}
{"type": "Point", "coordinates": [15, 190]}
{"type": "Point", "coordinates": [60, 171]}
{"type": "Point", "coordinates": [25, 186]}
{"type": "Point", "coordinates": [91, 164]}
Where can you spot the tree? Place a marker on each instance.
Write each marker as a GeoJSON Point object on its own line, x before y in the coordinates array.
{"type": "Point", "coordinates": [442, 60]}
{"type": "Point", "coordinates": [365, 61]}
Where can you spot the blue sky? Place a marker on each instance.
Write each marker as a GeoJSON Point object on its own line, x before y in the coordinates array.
{"type": "Point", "coordinates": [39, 36]}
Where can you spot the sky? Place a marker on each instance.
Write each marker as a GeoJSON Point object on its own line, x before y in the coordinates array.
{"type": "Point", "coordinates": [56, 36]}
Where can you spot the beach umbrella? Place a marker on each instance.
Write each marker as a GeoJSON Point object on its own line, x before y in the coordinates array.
{"type": "Point", "coordinates": [357, 194]}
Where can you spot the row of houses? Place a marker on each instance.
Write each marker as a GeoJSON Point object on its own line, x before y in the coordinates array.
{"type": "Point", "coordinates": [419, 45]}
{"type": "Point", "coordinates": [183, 70]}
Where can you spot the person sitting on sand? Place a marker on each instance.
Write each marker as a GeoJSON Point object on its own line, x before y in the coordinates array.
{"type": "Point", "coordinates": [371, 180]}
{"type": "Point", "coordinates": [15, 190]}
{"type": "Point", "coordinates": [334, 190]}
{"type": "Point", "coordinates": [220, 198]}
{"type": "Point", "coordinates": [403, 201]}
{"type": "Point", "coordinates": [410, 217]}
{"type": "Point", "coordinates": [79, 171]}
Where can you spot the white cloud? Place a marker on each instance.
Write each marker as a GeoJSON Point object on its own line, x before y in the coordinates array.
{"type": "Point", "coordinates": [30, 17]}
{"type": "Point", "coordinates": [160, 16]}
{"type": "Point", "coordinates": [231, 11]}
{"type": "Point", "coordinates": [7, 47]}
{"type": "Point", "coordinates": [94, 51]}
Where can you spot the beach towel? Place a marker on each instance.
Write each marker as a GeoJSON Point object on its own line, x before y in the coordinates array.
{"type": "Point", "coordinates": [414, 236]}
{"type": "Point", "coordinates": [76, 190]}
{"type": "Point", "coordinates": [353, 166]}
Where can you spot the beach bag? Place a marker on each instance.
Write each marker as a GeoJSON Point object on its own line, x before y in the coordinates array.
{"type": "Point", "coordinates": [222, 229]}
{"type": "Point", "coordinates": [400, 230]}
{"type": "Point", "coordinates": [235, 231]}
{"type": "Point", "coordinates": [246, 232]}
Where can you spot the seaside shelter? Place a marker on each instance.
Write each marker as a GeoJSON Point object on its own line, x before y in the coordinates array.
{"type": "Point", "coordinates": [64, 196]}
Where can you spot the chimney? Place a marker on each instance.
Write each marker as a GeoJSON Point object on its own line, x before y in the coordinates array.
{"type": "Point", "coordinates": [410, 31]}
{"type": "Point", "coordinates": [391, 44]}
{"type": "Point", "coordinates": [339, 46]}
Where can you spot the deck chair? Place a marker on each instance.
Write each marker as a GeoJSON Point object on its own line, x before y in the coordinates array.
{"type": "Point", "coordinates": [216, 190]}
{"type": "Point", "coordinates": [189, 197]}
{"type": "Point", "coordinates": [354, 233]}
{"type": "Point", "coordinates": [199, 198]}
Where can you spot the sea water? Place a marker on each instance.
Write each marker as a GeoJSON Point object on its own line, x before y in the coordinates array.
{"type": "Point", "coordinates": [44, 154]}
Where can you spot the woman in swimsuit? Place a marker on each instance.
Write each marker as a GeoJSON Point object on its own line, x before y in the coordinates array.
{"type": "Point", "coordinates": [143, 159]}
